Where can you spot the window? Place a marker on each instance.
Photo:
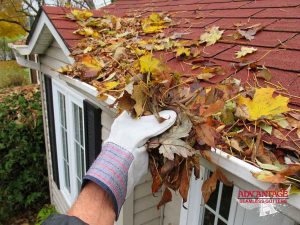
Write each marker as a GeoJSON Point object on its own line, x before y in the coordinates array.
{"type": "Point", "coordinates": [216, 211]}
{"type": "Point", "coordinates": [69, 126]}
{"type": "Point", "coordinates": [222, 207]}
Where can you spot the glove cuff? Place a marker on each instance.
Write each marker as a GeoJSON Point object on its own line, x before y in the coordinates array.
{"type": "Point", "coordinates": [110, 172]}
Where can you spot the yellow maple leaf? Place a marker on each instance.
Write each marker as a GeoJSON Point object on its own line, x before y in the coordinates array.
{"type": "Point", "coordinates": [81, 14]}
{"type": "Point", "coordinates": [245, 51]}
{"type": "Point", "coordinates": [212, 35]}
{"type": "Point", "coordinates": [263, 104]}
{"type": "Point", "coordinates": [92, 62]}
{"type": "Point", "coordinates": [153, 24]}
{"type": "Point", "coordinates": [149, 64]}
{"type": "Point", "coordinates": [111, 85]}
{"type": "Point", "coordinates": [87, 32]}
{"type": "Point", "coordinates": [182, 51]}
{"type": "Point", "coordinates": [65, 69]}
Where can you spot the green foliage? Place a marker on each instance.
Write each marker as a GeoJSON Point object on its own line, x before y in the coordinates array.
{"type": "Point", "coordinates": [11, 74]}
{"type": "Point", "coordinates": [46, 211]}
{"type": "Point", "coordinates": [23, 170]}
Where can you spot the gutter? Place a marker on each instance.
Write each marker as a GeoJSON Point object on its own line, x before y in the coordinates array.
{"type": "Point", "coordinates": [20, 52]}
{"type": "Point", "coordinates": [235, 167]}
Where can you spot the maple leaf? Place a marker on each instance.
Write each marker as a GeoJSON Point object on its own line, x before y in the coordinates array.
{"type": "Point", "coordinates": [139, 95]}
{"type": "Point", "coordinates": [92, 62]}
{"type": "Point", "coordinates": [154, 23]}
{"type": "Point", "coordinates": [263, 104]}
{"type": "Point", "coordinates": [87, 32]}
{"type": "Point", "coordinates": [182, 51]}
{"type": "Point", "coordinates": [149, 64]}
{"type": "Point", "coordinates": [179, 131]}
{"type": "Point", "coordinates": [172, 144]}
{"type": "Point", "coordinates": [80, 15]}
{"type": "Point", "coordinates": [245, 51]}
{"type": "Point", "coordinates": [212, 35]}
{"type": "Point", "coordinates": [65, 69]}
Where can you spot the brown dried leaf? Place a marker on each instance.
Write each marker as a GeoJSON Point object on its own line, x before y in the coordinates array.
{"type": "Point", "coordinates": [126, 102]}
{"type": "Point", "coordinates": [209, 186]}
{"type": "Point", "coordinates": [139, 95]}
{"type": "Point", "coordinates": [185, 181]}
{"type": "Point", "coordinates": [278, 134]}
{"type": "Point", "coordinates": [167, 197]}
{"type": "Point", "coordinates": [265, 74]}
{"type": "Point", "coordinates": [211, 109]}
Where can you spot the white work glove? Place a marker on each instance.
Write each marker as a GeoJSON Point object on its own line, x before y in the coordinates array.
{"type": "Point", "coordinates": [123, 159]}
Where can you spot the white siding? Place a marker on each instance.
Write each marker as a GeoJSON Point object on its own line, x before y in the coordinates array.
{"type": "Point", "coordinates": [140, 207]}
{"type": "Point", "coordinates": [172, 210]}
{"type": "Point", "coordinates": [58, 199]}
{"type": "Point", "coordinates": [145, 210]}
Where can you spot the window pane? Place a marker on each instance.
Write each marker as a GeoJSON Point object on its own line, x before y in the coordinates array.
{"type": "Point", "coordinates": [225, 201]}
{"type": "Point", "coordinates": [81, 126]}
{"type": "Point", "coordinates": [82, 163]}
{"type": "Point", "coordinates": [76, 122]}
{"type": "Point", "coordinates": [79, 144]}
{"type": "Point", "coordinates": [212, 202]}
{"type": "Point", "coordinates": [78, 160]}
{"type": "Point", "coordinates": [78, 185]}
{"type": "Point", "coordinates": [67, 176]}
{"type": "Point", "coordinates": [62, 109]}
{"type": "Point", "coordinates": [220, 222]}
{"type": "Point", "coordinates": [209, 218]}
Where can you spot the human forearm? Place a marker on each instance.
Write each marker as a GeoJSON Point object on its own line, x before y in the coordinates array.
{"type": "Point", "coordinates": [93, 206]}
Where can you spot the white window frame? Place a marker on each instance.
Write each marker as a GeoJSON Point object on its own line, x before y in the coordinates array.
{"type": "Point", "coordinates": [194, 208]}
{"type": "Point", "coordinates": [71, 96]}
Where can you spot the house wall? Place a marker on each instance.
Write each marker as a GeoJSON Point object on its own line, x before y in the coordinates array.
{"type": "Point", "coordinates": [172, 210]}
{"type": "Point", "coordinates": [140, 207]}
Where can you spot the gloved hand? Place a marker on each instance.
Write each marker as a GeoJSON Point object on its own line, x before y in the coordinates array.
{"type": "Point", "coordinates": [123, 159]}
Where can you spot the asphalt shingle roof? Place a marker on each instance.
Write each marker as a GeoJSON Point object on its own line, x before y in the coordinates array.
{"type": "Point", "coordinates": [278, 43]}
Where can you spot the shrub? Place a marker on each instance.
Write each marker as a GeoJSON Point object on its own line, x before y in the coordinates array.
{"type": "Point", "coordinates": [11, 74]}
{"type": "Point", "coordinates": [23, 171]}
{"type": "Point", "coordinates": [46, 211]}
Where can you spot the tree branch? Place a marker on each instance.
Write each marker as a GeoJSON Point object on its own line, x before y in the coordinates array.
{"type": "Point", "coordinates": [30, 6]}
{"type": "Point", "coordinates": [90, 4]}
{"type": "Point", "coordinates": [15, 22]}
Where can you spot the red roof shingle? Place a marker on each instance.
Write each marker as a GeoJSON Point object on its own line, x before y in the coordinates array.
{"type": "Point", "coordinates": [278, 43]}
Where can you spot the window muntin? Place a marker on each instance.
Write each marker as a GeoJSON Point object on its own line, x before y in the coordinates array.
{"type": "Point", "coordinates": [64, 138]}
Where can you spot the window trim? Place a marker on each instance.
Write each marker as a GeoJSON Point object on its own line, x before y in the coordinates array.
{"type": "Point", "coordinates": [70, 97]}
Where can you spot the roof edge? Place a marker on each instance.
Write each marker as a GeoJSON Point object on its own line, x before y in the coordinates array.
{"type": "Point", "coordinates": [33, 27]}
